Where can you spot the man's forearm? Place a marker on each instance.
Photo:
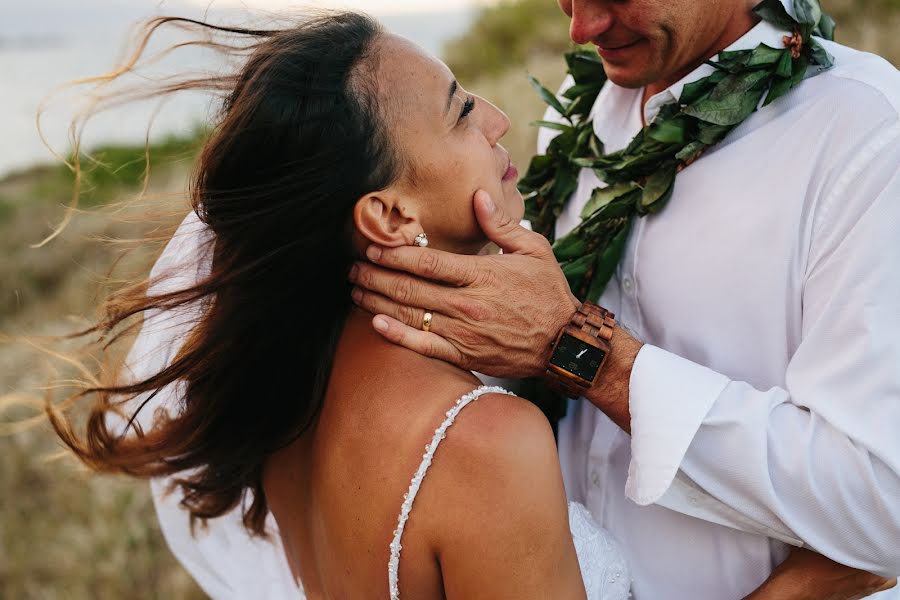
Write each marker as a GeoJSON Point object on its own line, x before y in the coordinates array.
{"type": "Point", "coordinates": [610, 394]}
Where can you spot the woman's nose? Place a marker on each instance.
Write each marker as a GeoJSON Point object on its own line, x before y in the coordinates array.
{"type": "Point", "coordinates": [497, 126]}
{"type": "Point", "coordinates": [590, 20]}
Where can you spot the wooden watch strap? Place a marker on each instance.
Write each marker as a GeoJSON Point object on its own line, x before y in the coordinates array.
{"type": "Point", "coordinates": [598, 323]}
{"type": "Point", "coordinates": [595, 320]}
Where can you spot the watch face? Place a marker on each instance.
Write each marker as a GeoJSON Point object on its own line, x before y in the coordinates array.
{"type": "Point", "coordinates": [577, 357]}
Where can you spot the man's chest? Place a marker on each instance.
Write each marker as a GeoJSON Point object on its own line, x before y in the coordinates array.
{"type": "Point", "coordinates": [717, 275]}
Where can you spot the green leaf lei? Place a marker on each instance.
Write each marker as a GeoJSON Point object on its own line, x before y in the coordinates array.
{"type": "Point", "coordinates": [640, 178]}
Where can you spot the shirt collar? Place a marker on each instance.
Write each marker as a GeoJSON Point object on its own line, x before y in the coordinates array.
{"type": "Point", "coordinates": [763, 33]}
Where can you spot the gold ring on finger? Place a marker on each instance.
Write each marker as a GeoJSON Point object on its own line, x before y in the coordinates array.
{"type": "Point", "coordinates": [426, 321]}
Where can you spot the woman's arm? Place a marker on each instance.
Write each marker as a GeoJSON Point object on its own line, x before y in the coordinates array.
{"type": "Point", "coordinates": [501, 528]}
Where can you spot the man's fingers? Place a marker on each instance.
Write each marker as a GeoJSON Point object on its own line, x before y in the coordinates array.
{"type": "Point", "coordinates": [426, 343]}
{"type": "Point", "coordinates": [505, 231]}
{"type": "Point", "coordinates": [401, 288]}
{"type": "Point", "coordinates": [455, 269]}
{"type": "Point", "coordinates": [889, 584]}
{"type": "Point", "coordinates": [378, 304]}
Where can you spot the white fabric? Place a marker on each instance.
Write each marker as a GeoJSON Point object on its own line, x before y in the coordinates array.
{"type": "Point", "coordinates": [222, 558]}
{"type": "Point", "coordinates": [603, 568]}
{"type": "Point", "coordinates": [768, 291]}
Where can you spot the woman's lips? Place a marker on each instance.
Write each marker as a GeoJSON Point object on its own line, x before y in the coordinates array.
{"type": "Point", "coordinates": [511, 171]}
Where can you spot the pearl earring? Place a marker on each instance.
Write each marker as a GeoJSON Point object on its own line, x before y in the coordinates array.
{"type": "Point", "coordinates": [421, 240]}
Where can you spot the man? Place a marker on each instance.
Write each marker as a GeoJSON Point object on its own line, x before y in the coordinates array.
{"type": "Point", "coordinates": [754, 403]}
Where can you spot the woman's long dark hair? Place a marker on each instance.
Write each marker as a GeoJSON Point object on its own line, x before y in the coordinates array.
{"type": "Point", "coordinates": [300, 139]}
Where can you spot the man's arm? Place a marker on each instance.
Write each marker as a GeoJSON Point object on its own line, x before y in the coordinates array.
{"type": "Point", "coordinates": [817, 460]}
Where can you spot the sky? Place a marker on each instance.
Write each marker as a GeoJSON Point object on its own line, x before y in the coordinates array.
{"type": "Point", "coordinates": [67, 18]}
{"type": "Point", "coordinates": [380, 7]}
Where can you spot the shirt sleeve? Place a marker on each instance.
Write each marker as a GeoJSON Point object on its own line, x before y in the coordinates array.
{"type": "Point", "coordinates": [818, 460]}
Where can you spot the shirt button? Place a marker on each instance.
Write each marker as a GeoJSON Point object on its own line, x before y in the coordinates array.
{"type": "Point", "coordinates": [595, 478]}
{"type": "Point", "coordinates": [628, 285]}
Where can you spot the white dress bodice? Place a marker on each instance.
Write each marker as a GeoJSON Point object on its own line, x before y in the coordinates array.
{"type": "Point", "coordinates": [603, 568]}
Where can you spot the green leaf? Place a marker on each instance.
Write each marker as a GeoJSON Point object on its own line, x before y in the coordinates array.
{"type": "Point", "coordinates": [570, 247]}
{"type": "Point", "coordinates": [547, 96]}
{"type": "Point", "coordinates": [596, 146]}
{"type": "Point", "coordinates": [819, 54]}
{"type": "Point", "coordinates": [690, 151]}
{"type": "Point", "coordinates": [669, 131]}
{"type": "Point", "coordinates": [575, 270]}
{"type": "Point", "coordinates": [732, 60]}
{"type": "Point", "coordinates": [540, 170]}
{"type": "Point", "coordinates": [581, 143]}
{"type": "Point", "coordinates": [774, 12]}
{"type": "Point", "coordinates": [581, 106]}
{"type": "Point", "coordinates": [636, 142]}
{"type": "Point", "coordinates": [765, 55]}
{"type": "Point", "coordinates": [607, 261]}
{"type": "Point", "coordinates": [779, 88]}
{"type": "Point", "coordinates": [551, 125]}
{"type": "Point", "coordinates": [826, 27]}
{"type": "Point", "coordinates": [586, 66]}
{"type": "Point", "coordinates": [800, 67]}
{"type": "Point", "coordinates": [565, 183]}
{"type": "Point", "coordinates": [738, 83]}
{"type": "Point", "coordinates": [579, 89]}
{"type": "Point", "coordinates": [785, 65]}
{"type": "Point", "coordinates": [564, 143]}
{"type": "Point", "coordinates": [694, 91]}
{"type": "Point", "coordinates": [808, 11]}
{"type": "Point", "coordinates": [641, 160]}
{"type": "Point", "coordinates": [732, 101]}
{"type": "Point", "coordinates": [585, 163]}
{"type": "Point", "coordinates": [657, 190]}
{"type": "Point", "coordinates": [603, 196]}
{"type": "Point", "coordinates": [710, 134]}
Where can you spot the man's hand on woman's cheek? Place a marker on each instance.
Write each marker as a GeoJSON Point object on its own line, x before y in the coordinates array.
{"type": "Point", "coordinates": [497, 314]}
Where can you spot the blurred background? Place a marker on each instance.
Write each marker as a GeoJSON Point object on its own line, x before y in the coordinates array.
{"type": "Point", "coordinates": [65, 533]}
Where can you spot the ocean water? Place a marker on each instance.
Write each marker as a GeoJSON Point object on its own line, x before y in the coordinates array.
{"type": "Point", "coordinates": [46, 43]}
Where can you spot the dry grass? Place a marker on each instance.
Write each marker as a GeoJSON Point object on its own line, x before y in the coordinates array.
{"type": "Point", "coordinates": [66, 534]}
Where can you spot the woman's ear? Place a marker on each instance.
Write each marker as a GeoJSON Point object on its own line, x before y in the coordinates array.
{"type": "Point", "coordinates": [386, 219]}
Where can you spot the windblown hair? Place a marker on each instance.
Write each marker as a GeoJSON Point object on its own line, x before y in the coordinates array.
{"type": "Point", "coordinates": [299, 140]}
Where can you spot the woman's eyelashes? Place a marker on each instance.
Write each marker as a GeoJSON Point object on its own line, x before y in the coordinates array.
{"type": "Point", "coordinates": [468, 106]}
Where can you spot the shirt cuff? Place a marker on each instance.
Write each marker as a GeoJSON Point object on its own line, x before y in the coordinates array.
{"type": "Point", "coordinates": [669, 398]}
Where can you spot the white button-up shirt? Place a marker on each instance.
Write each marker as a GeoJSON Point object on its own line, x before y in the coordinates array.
{"type": "Point", "coordinates": [766, 403]}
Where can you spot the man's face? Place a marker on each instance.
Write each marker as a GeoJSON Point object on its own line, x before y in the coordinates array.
{"type": "Point", "coordinates": [644, 42]}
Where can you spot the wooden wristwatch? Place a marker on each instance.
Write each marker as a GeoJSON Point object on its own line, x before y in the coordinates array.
{"type": "Point", "coordinates": [582, 346]}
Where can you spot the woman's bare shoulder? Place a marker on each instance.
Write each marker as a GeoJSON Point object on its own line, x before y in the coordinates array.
{"type": "Point", "coordinates": [496, 506]}
{"type": "Point", "coordinates": [497, 448]}
{"type": "Point", "coordinates": [500, 435]}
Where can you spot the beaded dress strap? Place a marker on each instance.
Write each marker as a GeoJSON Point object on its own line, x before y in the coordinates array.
{"type": "Point", "coordinates": [408, 498]}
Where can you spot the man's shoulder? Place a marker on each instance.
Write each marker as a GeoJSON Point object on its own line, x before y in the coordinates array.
{"type": "Point", "coordinates": [859, 81]}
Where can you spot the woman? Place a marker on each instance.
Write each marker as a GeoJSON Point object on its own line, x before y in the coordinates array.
{"type": "Point", "coordinates": [334, 135]}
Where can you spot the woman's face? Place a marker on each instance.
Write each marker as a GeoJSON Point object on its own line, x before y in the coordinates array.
{"type": "Point", "coordinates": [449, 138]}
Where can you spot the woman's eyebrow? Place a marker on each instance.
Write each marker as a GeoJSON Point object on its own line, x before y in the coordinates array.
{"type": "Point", "coordinates": [453, 87]}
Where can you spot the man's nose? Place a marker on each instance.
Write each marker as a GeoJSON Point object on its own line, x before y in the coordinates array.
{"type": "Point", "coordinates": [590, 20]}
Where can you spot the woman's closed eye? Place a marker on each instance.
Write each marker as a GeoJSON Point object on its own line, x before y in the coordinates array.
{"type": "Point", "coordinates": [468, 107]}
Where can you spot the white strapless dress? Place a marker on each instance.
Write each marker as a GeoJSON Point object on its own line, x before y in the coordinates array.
{"type": "Point", "coordinates": [603, 568]}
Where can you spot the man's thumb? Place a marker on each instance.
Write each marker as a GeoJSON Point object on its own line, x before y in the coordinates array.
{"type": "Point", "coordinates": [503, 230]}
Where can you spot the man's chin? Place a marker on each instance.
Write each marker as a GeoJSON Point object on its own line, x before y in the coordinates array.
{"type": "Point", "coordinates": [628, 77]}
